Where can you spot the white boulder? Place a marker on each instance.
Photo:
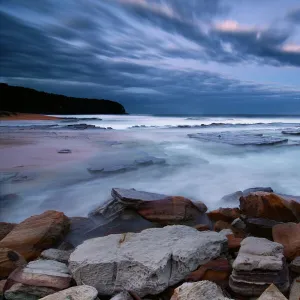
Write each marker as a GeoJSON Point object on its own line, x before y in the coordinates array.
{"type": "Point", "coordinates": [146, 262]}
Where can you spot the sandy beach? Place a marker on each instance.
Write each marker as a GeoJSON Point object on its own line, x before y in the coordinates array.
{"type": "Point", "coordinates": [27, 117]}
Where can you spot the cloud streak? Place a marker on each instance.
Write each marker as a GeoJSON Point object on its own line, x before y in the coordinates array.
{"type": "Point", "coordinates": [147, 54]}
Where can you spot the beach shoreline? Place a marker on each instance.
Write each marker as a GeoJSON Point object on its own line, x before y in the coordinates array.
{"type": "Point", "coordinates": [26, 117]}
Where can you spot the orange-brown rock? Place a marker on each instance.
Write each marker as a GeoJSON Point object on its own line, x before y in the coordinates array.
{"type": "Point", "coordinates": [224, 214]}
{"type": "Point", "coordinates": [220, 225]}
{"type": "Point", "coordinates": [202, 227]}
{"type": "Point", "coordinates": [5, 229]}
{"type": "Point", "coordinates": [217, 271]}
{"type": "Point", "coordinates": [289, 236]}
{"type": "Point", "coordinates": [234, 243]}
{"type": "Point", "coordinates": [171, 210]}
{"type": "Point", "coordinates": [9, 261]}
{"type": "Point", "coordinates": [37, 233]}
{"type": "Point", "coordinates": [270, 206]}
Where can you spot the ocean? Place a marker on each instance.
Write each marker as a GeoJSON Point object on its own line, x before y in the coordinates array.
{"type": "Point", "coordinates": [198, 157]}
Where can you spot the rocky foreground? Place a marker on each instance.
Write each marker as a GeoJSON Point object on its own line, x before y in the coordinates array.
{"type": "Point", "coordinates": [143, 245]}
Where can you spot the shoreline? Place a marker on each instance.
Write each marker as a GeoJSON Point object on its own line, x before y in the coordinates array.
{"type": "Point", "coordinates": [11, 116]}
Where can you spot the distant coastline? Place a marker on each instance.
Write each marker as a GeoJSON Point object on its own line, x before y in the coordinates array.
{"type": "Point", "coordinates": [26, 100]}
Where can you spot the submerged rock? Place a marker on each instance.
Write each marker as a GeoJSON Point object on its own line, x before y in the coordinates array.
{"type": "Point", "coordinates": [202, 290]}
{"type": "Point", "coordinates": [175, 252]}
{"type": "Point", "coordinates": [37, 233]}
{"type": "Point", "coordinates": [64, 151]}
{"type": "Point", "coordinates": [259, 263]}
{"type": "Point", "coordinates": [239, 138]}
{"type": "Point", "coordinates": [289, 236]}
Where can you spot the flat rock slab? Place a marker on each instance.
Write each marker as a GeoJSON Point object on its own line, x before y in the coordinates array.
{"type": "Point", "coordinates": [239, 138]}
{"type": "Point", "coordinates": [292, 131]}
{"type": "Point", "coordinates": [83, 292]}
{"type": "Point", "coordinates": [259, 263]}
{"type": "Point", "coordinates": [46, 273]}
{"type": "Point", "coordinates": [295, 265]}
{"type": "Point", "coordinates": [147, 262]}
{"type": "Point", "coordinates": [55, 254]}
{"type": "Point", "coordinates": [202, 290]}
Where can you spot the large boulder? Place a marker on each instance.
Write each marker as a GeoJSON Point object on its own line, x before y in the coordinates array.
{"type": "Point", "coordinates": [270, 206]}
{"type": "Point", "coordinates": [259, 263]}
{"type": "Point", "coordinates": [37, 233]}
{"type": "Point", "coordinates": [146, 262]}
{"type": "Point", "coordinates": [9, 261]}
{"type": "Point", "coordinates": [42, 273]}
{"type": "Point", "coordinates": [289, 236]}
{"type": "Point", "coordinates": [202, 290]}
{"type": "Point", "coordinates": [83, 292]}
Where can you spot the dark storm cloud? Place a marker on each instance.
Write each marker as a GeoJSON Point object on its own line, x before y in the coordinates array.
{"type": "Point", "coordinates": [142, 53]}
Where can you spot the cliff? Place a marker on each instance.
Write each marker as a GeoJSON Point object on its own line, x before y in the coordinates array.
{"type": "Point", "coordinates": [25, 100]}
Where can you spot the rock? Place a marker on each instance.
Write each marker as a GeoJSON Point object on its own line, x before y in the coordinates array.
{"type": "Point", "coordinates": [295, 265]}
{"type": "Point", "coordinates": [64, 151]}
{"type": "Point", "coordinates": [122, 296]}
{"type": "Point", "coordinates": [9, 261]}
{"type": "Point", "coordinates": [259, 263]}
{"type": "Point", "coordinates": [217, 271]}
{"type": "Point", "coordinates": [220, 225]}
{"type": "Point", "coordinates": [295, 289]}
{"type": "Point", "coordinates": [175, 252]}
{"type": "Point", "coordinates": [171, 210]}
{"type": "Point", "coordinates": [37, 233]}
{"type": "Point", "coordinates": [21, 291]}
{"type": "Point", "coordinates": [224, 214]}
{"type": "Point", "coordinates": [272, 293]}
{"type": "Point", "coordinates": [79, 226]}
{"type": "Point", "coordinates": [83, 292]}
{"type": "Point", "coordinates": [269, 206]}
{"type": "Point", "coordinates": [2, 284]}
{"type": "Point", "coordinates": [5, 229]}
{"type": "Point", "coordinates": [260, 227]}
{"type": "Point", "coordinates": [202, 290]}
{"type": "Point", "coordinates": [238, 224]}
{"type": "Point", "coordinates": [239, 138]}
{"type": "Point", "coordinates": [202, 227]}
{"type": "Point", "coordinates": [153, 207]}
{"type": "Point", "coordinates": [289, 236]}
{"type": "Point", "coordinates": [150, 160]}
{"type": "Point", "coordinates": [45, 273]}
{"type": "Point", "coordinates": [291, 131]}
{"type": "Point", "coordinates": [55, 254]}
{"type": "Point", "coordinates": [234, 243]}
{"type": "Point", "coordinates": [234, 197]}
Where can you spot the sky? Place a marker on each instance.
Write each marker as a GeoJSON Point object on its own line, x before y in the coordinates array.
{"type": "Point", "coordinates": [158, 56]}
